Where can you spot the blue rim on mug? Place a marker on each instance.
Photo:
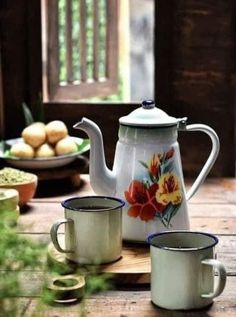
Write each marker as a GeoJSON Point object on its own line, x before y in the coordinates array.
{"type": "Point", "coordinates": [66, 203]}
{"type": "Point", "coordinates": [206, 234]}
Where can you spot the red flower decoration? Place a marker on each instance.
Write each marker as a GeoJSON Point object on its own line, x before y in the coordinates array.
{"type": "Point", "coordinates": [170, 154]}
{"type": "Point", "coordinates": [143, 201]}
{"type": "Point", "coordinates": [154, 165]}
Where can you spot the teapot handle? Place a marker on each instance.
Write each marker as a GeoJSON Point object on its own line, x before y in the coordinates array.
{"type": "Point", "coordinates": [211, 159]}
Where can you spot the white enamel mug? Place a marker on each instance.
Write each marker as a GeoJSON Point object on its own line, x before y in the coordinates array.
{"type": "Point", "coordinates": [182, 270]}
{"type": "Point", "coordinates": [93, 230]}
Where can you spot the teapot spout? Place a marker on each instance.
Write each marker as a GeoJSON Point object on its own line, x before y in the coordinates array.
{"type": "Point", "coordinates": [103, 180]}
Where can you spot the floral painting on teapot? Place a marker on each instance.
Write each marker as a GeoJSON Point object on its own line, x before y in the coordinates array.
{"type": "Point", "coordinates": [158, 193]}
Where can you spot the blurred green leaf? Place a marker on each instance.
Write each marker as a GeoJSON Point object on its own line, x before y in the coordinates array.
{"type": "Point", "coordinates": [3, 146]}
{"type": "Point", "coordinates": [39, 110]}
{"type": "Point", "coordinates": [84, 146]}
{"type": "Point", "coordinates": [7, 153]}
{"type": "Point", "coordinates": [27, 114]}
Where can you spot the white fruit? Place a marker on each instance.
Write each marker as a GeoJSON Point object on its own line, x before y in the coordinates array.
{"type": "Point", "coordinates": [34, 135]}
{"type": "Point", "coordinates": [66, 146]}
{"type": "Point", "coordinates": [55, 130]}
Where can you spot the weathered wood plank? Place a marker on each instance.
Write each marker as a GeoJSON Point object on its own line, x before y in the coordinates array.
{"type": "Point", "coordinates": [53, 47]}
{"type": "Point", "coordinates": [40, 217]}
{"type": "Point", "coordinates": [45, 215]}
{"type": "Point", "coordinates": [216, 191]}
{"type": "Point", "coordinates": [190, 28]}
{"type": "Point", "coordinates": [212, 210]}
{"type": "Point", "coordinates": [186, 57]}
{"type": "Point", "coordinates": [202, 84]}
{"type": "Point", "coordinates": [227, 243]}
{"type": "Point", "coordinates": [137, 304]}
{"type": "Point", "coordinates": [226, 251]}
{"type": "Point", "coordinates": [204, 6]}
{"type": "Point", "coordinates": [213, 218]}
{"type": "Point", "coordinates": [212, 191]}
{"type": "Point", "coordinates": [199, 67]}
{"type": "Point", "coordinates": [214, 225]}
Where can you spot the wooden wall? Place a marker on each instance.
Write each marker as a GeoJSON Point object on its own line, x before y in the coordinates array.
{"type": "Point", "coordinates": [194, 75]}
{"type": "Point", "coordinates": [198, 72]}
{"type": "Point", "coordinates": [21, 59]}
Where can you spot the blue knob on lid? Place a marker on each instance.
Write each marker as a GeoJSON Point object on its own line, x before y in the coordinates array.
{"type": "Point", "coordinates": [148, 104]}
{"type": "Point", "coordinates": [148, 115]}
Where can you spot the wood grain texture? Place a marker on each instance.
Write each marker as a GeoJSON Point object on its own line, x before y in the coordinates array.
{"type": "Point", "coordinates": [132, 268]}
{"type": "Point", "coordinates": [212, 191]}
{"type": "Point", "coordinates": [198, 69]}
{"type": "Point", "coordinates": [40, 217]}
{"type": "Point", "coordinates": [212, 209]}
{"type": "Point", "coordinates": [225, 250]}
{"type": "Point", "coordinates": [137, 304]}
{"type": "Point", "coordinates": [215, 197]}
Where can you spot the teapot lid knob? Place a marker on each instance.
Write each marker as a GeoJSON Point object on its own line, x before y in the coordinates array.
{"type": "Point", "coordinates": [148, 104]}
{"type": "Point", "coordinates": [148, 115]}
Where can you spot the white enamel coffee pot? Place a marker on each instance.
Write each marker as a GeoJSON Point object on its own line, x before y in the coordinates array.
{"type": "Point", "coordinates": [147, 171]}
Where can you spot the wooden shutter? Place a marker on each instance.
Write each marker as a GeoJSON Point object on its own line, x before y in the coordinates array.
{"type": "Point", "coordinates": [89, 29]}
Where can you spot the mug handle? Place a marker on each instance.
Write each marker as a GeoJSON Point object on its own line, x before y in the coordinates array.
{"type": "Point", "coordinates": [219, 287]}
{"type": "Point", "coordinates": [211, 159]}
{"type": "Point", "coordinates": [54, 234]}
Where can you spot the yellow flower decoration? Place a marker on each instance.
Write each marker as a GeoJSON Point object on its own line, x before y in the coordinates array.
{"type": "Point", "coordinates": [169, 190]}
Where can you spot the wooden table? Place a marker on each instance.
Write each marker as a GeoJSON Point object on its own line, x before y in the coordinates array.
{"type": "Point", "coordinates": [212, 209]}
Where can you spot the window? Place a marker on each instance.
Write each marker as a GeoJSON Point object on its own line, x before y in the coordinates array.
{"type": "Point", "coordinates": [99, 49]}
{"type": "Point", "coordinates": [82, 45]}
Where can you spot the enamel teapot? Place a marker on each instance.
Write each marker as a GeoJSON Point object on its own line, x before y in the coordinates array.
{"type": "Point", "coordinates": [147, 172]}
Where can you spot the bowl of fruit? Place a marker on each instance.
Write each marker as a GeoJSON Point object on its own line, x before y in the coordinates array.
{"type": "Point", "coordinates": [43, 146]}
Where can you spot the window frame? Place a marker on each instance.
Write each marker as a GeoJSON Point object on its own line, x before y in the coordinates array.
{"type": "Point", "coordinates": [86, 88]}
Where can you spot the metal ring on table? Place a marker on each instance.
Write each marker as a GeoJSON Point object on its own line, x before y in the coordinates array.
{"type": "Point", "coordinates": [62, 290]}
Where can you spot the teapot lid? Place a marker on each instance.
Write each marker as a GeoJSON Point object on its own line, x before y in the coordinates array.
{"type": "Point", "coordinates": [148, 115]}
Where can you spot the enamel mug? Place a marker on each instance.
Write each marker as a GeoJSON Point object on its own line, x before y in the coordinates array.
{"type": "Point", "coordinates": [93, 229]}
{"type": "Point", "coordinates": [182, 270]}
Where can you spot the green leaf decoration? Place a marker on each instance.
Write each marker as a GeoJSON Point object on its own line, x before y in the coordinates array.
{"type": "Point", "coordinates": [144, 164]}
{"type": "Point", "coordinates": [27, 114]}
{"type": "Point", "coordinates": [167, 167]}
{"type": "Point", "coordinates": [146, 183]}
{"type": "Point", "coordinates": [162, 219]}
{"type": "Point", "coordinates": [168, 214]}
{"type": "Point", "coordinates": [153, 178]}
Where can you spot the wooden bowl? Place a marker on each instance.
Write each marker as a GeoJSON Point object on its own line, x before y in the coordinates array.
{"type": "Point", "coordinates": [26, 189]}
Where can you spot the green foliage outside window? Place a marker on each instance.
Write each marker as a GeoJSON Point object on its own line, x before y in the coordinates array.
{"type": "Point", "coordinates": [75, 8]}
{"type": "Point", "coordinates": [75, 38]}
